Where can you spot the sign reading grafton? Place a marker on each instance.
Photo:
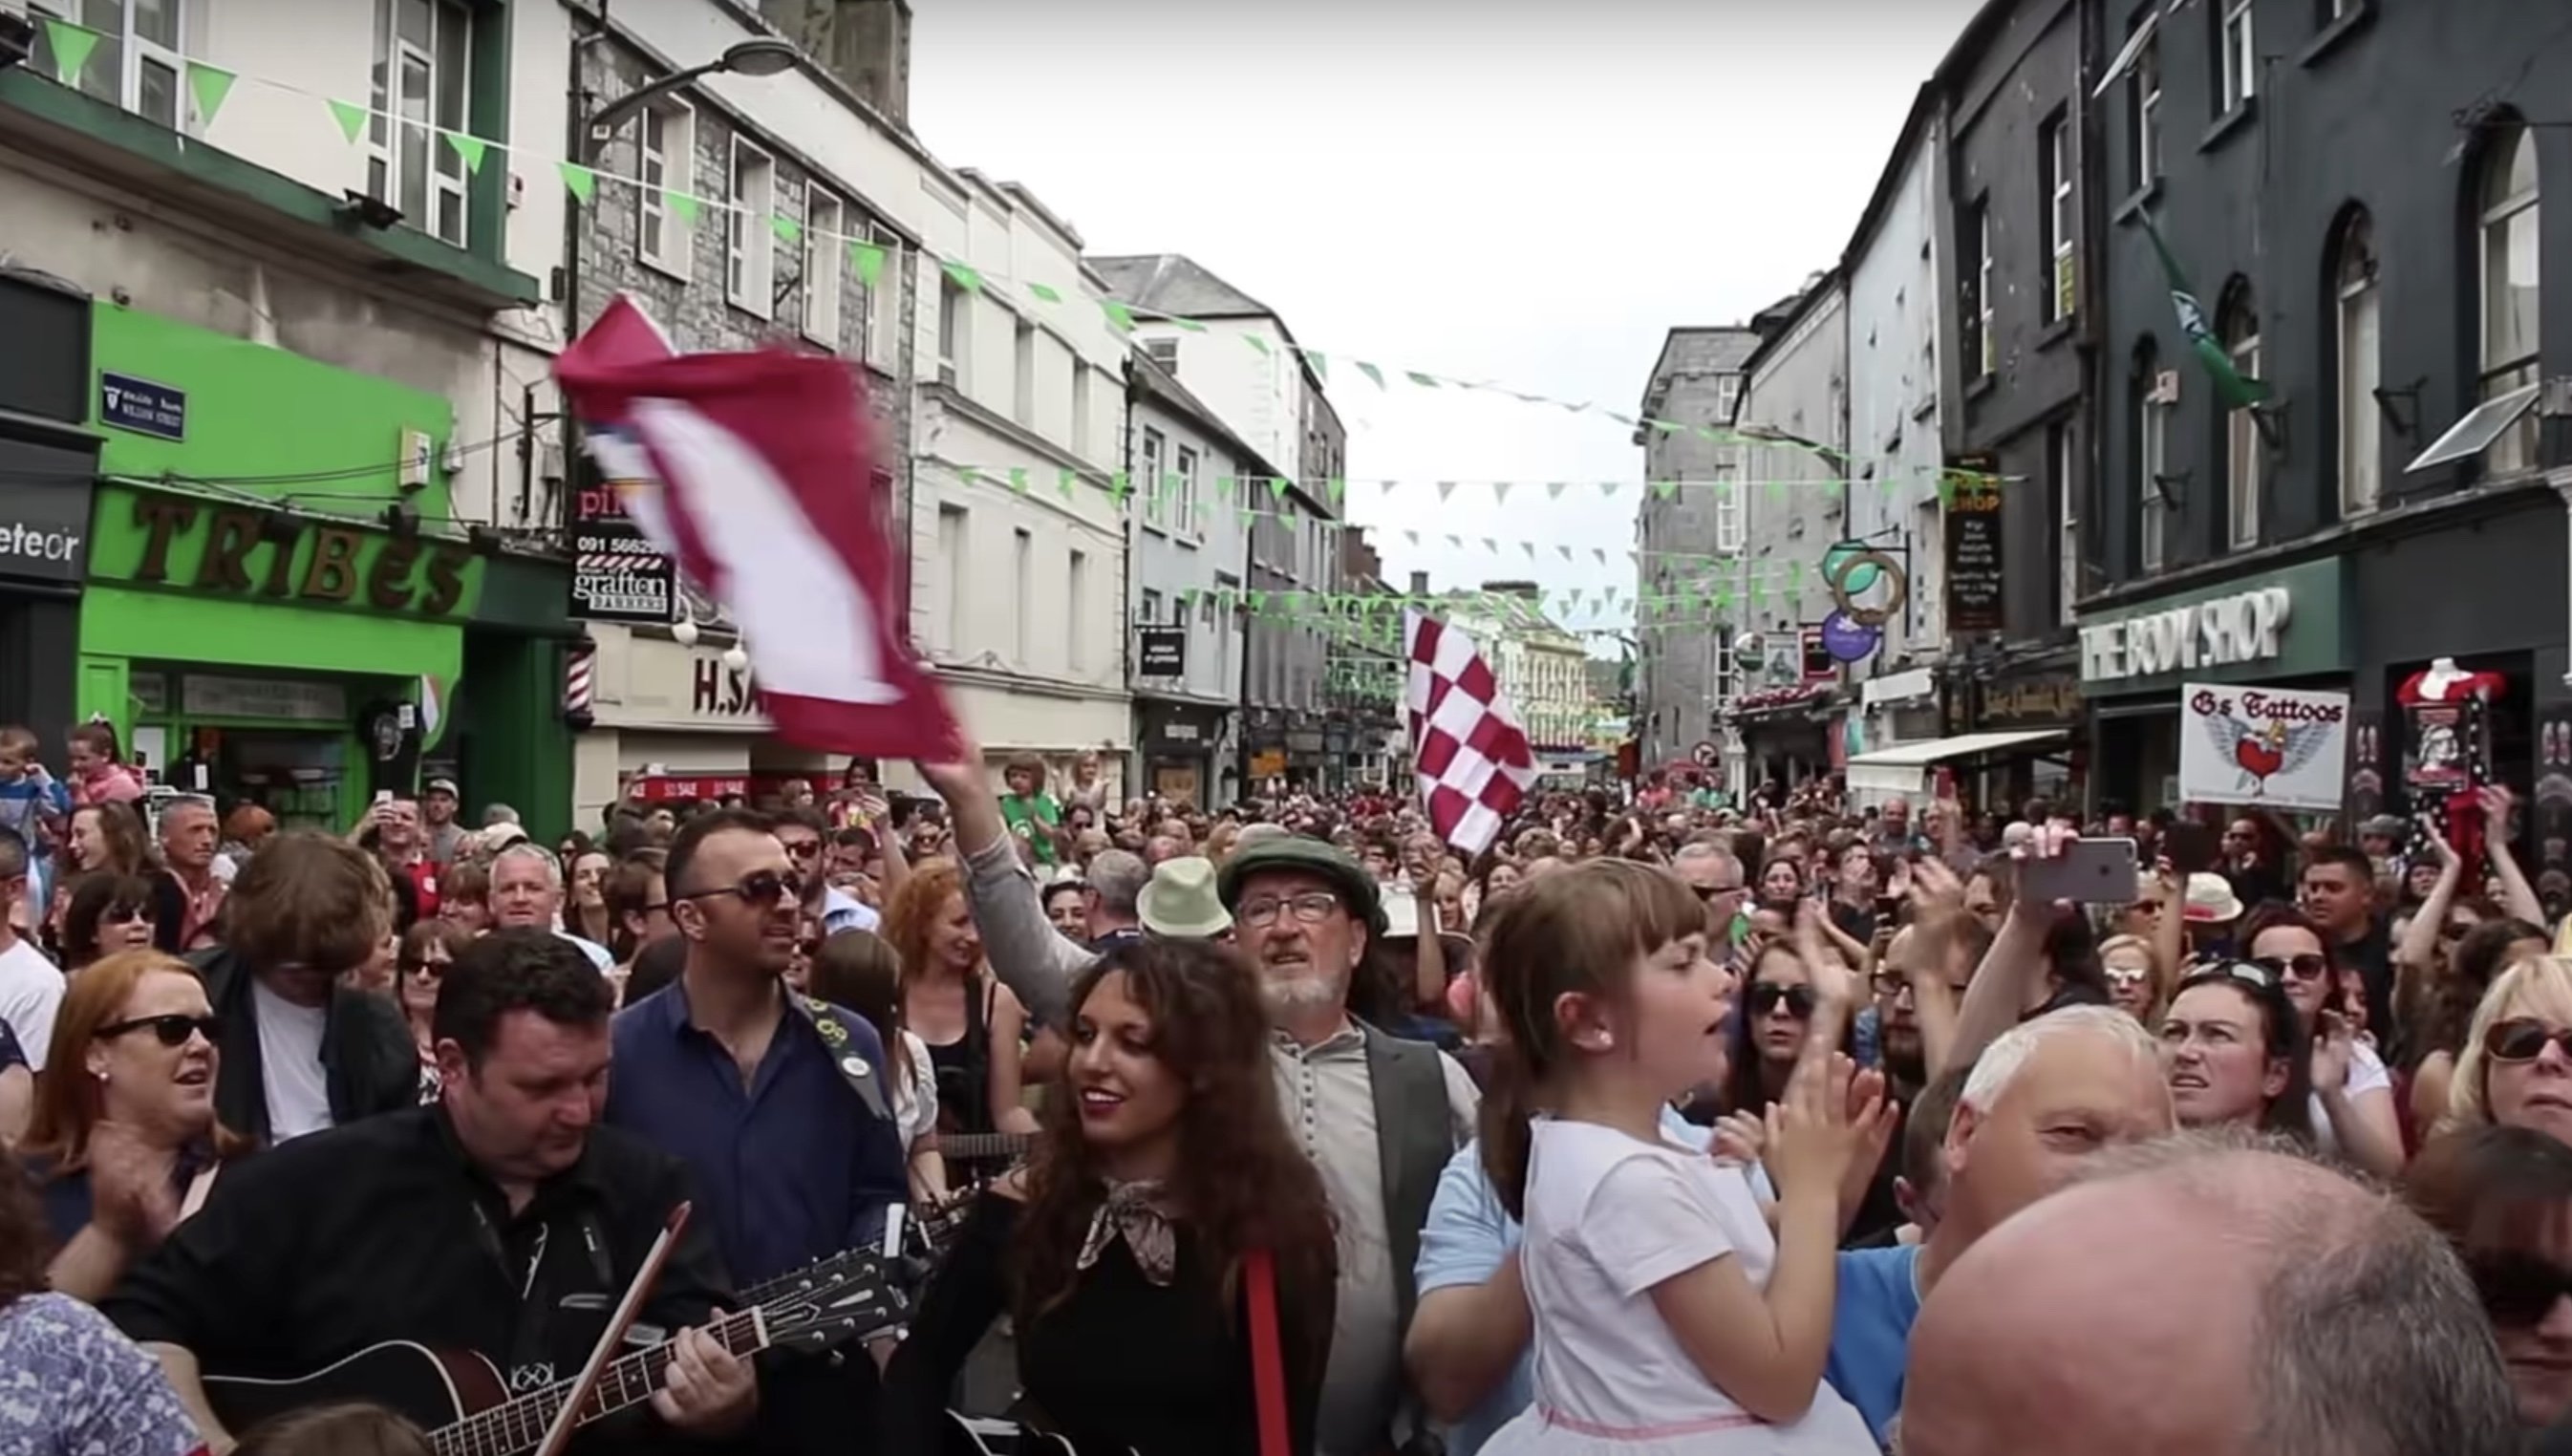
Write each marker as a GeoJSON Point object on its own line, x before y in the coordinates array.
{"type": "Point", "coordinates": [2221, 632]}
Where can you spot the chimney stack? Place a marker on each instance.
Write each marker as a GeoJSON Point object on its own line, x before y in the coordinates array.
{"type": "Point", "coordinates": [865, 43]}
{"type": "Point", "coordinates": [1419, 584]}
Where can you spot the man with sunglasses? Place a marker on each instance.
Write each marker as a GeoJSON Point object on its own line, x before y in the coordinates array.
{"type": "Point", "coordinates": [1715, 878]}
{"type": "Point", "coordinates": [805, 833]}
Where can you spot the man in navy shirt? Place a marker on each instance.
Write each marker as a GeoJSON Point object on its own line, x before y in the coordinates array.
{"type": "Point", "coordinates": [767, 1098]}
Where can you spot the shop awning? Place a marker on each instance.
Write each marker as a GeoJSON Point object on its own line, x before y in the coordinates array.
{"type": "Point", "coordinates": [1901, 768]}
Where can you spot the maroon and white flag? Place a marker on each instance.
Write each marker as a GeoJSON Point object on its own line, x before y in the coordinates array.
{"type": "Point", "coordinates": [1470, 755]}
{"type": "Point", "coordinates": [753, 473]}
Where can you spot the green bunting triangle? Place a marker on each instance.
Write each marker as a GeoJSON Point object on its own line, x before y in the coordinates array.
{"type": "Point", "coordinates": [582, 182]}
{"type": "Point", "coordinates": [72, 47]}
{"type": "Point", "coordinates": [1371, 372]}
{"type": "Point", "coordinates": [965, 278]}
{"type": "Point", "coordinates": [788, 230]}
{"type": "Point", "coordinates": [1257, 343]}
{"type": "Point", "coordinates": [350, 117]}
{"type": "Point", "coordinates": [1321, 365]}
{"type": "Point", "coordinates": [208, 85]}
{"type": "Point", "coordinates": [682, 205]}
{"type": "Point", "coordinates": [1019, 480]}
{"type": "Point", "coordinates": [1426, 381]}
{"type": "Point", "coordinates": [468, 148]}
{"type": "Point", "coordinates": [1120, 317]}
{"type": "Point", "coordinates": [1338, 491]}
{"type": "Point", "coordinates": [1190, 324]}
{"type": "Point", "coordinates": [1043, 293]}
{"type": "Point", "coordinates": [1065, 483]}
{"type": "Point", "coordinates": [869, 260]}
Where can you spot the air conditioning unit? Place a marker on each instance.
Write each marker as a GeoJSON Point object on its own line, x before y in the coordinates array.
{"type": "Point", "coordinates": [2165, 387]}
{"type": "Point", "coordinates": [418, 458]}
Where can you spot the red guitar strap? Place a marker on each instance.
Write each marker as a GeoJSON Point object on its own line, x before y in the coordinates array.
{"type": "Point", "coordinates": [1267, 1355]}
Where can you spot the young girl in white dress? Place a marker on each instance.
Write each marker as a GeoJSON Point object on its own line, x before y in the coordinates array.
{"type": "Point", "coordinates": [1668, 1318]}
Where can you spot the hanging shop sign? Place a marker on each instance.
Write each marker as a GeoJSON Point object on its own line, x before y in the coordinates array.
{"type": "Point", "coordinates": [206, 695]}
{"type": "Point", "coordinates": [2042, 700]}
{"type": "Point", "coordinates": [1161, 652]}
{"type": "Point", "coordinates": [2273, 747]}
{"type": "Point", "coordinates": [271, 554]}
{"type": "Point", "coordinates": [1849, 639]}
{"type": "Point", "coordinates": [1973, 562]}
{"type": "Point", "coordinates": [617, 574]}
{"type": "Point", "coordinates": [2280, 625]}
{"type": "Point", "coordinates": [1853, 568]}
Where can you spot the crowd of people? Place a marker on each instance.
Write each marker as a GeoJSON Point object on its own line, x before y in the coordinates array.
{"type": "Point", "coordinates": [1669, 1123]}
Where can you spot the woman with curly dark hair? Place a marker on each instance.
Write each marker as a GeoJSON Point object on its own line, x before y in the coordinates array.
{"type": "Point", "coordinates": [1125, 1251]}
{"type": "Point", "coordinates": [73, 1382]}
{"type": "Point", "coordinates": [106, 913]}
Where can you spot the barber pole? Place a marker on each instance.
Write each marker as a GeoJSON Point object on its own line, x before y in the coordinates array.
{"type": "Point", "coordinates": [580, 689]}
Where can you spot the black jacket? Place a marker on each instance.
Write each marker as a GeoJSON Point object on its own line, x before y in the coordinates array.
{"type": "Point", "coordinates": [369, 1056]}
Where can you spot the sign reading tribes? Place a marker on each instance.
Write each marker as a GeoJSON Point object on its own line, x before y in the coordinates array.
{"type": "Point", "coordinates": [248, 551]}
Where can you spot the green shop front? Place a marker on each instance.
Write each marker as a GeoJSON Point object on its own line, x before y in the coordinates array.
{"type": "Point", "coordinates": [279, 608]}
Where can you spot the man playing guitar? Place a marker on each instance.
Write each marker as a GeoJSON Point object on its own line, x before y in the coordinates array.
{"type": "Point", "coordinates": [500, 1222]}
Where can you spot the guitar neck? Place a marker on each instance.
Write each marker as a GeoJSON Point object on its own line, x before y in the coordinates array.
{"type": "Point", "coordinates": [983, 1146]}
{"type": "Point", "coordinates": [519, 1425]}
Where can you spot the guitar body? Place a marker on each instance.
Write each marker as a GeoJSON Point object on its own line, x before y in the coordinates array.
{"type": "Point", "coordinates": [430, 1388]}
{"type": "Point", "coordinates": [967, 1436]}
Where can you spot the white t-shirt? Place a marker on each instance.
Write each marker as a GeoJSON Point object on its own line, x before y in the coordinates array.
{"type": "Point", "coordinates": [31, 990]}
{"type": "Point", "coordinates": [2366, 1075]}
{"type": "Point", "coordinates": [289, 1065]}
{"type": "Point", "coordinates": [1608, 1218]}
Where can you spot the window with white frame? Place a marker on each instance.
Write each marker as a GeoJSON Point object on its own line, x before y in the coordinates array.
{"type": "Point", "coordinates": [2151, 461]}
{"type": "Point", "coordinates": [823, 215]}
{"type": "Point", "coordinates": [1982, 346]}
{"type": "Point", "coordinates": [423, 72]}
{"type": "Point", "coordinates": [750, 238]}
{"type": "Point", "coordinates": [2361, 435]}
{"type": "Point", "coordinates": [2054, 163]}
{"type": "Point", "coordinates": [1023, 374]}
{"type": "Point", "coordinates": [2237, 49]}
{"type": "Point", "coordinates": [1727, 393]}
{"type": "Point", "coordinates": [1727, 515]}
{"type": "Point", "coordinates": [955, 331]}
{"type": "Point", "coordinates": [2067, 518]}
{"type": "Point", "coordinates": [1151, 486]}
{"type": "Point", "coordinates": [1151, 609]}
{"type": "Point", "coordinates": [1080, 407]}
{"type": "Point", "coordinates": [136, 63]}
{"type": "Point", "coordinates": [666, 133]}
{"type": "Point", "coordinates": [1163, 351]}
{"type": "Point", "coordinates": [2244, 454]}
{"type": "Point", "coordinates": [2143, 111]}
{"type": "Point", "coordinates": [1186, 518]}
{"type": "Point", "coordinates": [1075, 617]}
{"type": "Point", "coordinates": [2509, 284]}
{"type": "Point", "coordinates": [951, 557]}
{"type": "Point", "coordinates": [1022, 562]}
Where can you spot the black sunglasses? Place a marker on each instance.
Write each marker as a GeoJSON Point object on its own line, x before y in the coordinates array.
{"type": "Point", "coordinates": [172, 1029]}
{"type": "Point", "coordinates": [1798, 1000]}
{"type": "Point", "coordinates": [2523, 1039]}
{"type": "Point", "coordinates": [762, 889]}
{"type": "Point", "coordinates": [1710, 893]}
{"type": "Point", "coordinates": [2305, 966]}
{"type": "Point", "coordinates": [124, 914]}
{"type": "Point", "coordinates": [2518, 1290]}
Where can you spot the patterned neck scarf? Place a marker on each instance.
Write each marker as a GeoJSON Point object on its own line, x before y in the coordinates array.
{"type": "Point", "coordinates": [1135, 1211]}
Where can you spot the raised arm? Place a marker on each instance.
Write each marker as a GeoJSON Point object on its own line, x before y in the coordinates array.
{"type": "Point", "coordinates": [2518, 897]}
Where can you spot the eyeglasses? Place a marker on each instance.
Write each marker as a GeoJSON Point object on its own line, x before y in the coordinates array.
{"type": "Point", "coordinates": [1769, 995]}
{"type": "Point", "coordinates": [1713, 893]}
{"type": "Point", "coordinates": [2523, 1039]}
{"type": "Point", "coordinates": [124, 914]}
{"type": "Point", "coordinates": [1311, 908]}
{"type": "Point", "coordinates": [2237, 973]}
{"type": "Point", "coordinates": [2304, 966]}
{"type": "Point", "coordinates": [761, 888]}
{"type": "Point", "coordinates": [2122, 975]}
{"type": "Point", "coordinates": [804, 849]}
{"type": "Point", "coordinates": [425, 970]}
{"type": "Point", "coordinates": [170, 1031]}
{"type": "Point", "coordinates": [2518, 1290]}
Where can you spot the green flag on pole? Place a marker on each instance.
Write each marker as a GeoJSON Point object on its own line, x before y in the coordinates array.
{"type": "Point", "coordinates": [2235, 391]}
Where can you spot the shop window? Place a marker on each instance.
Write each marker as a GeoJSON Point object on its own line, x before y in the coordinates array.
{"type": "Point", "coordinates": [2508, 277]}
{"type": "Point", "coordinates": [2357, 365]}
{"type": "Point", "coordinates": [422, 77]}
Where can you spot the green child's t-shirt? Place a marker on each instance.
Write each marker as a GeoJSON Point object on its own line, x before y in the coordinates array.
{"type": "Point", "coordinates": [1034, 816]}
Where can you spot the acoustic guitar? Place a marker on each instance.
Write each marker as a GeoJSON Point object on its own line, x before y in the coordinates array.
{"type": "Point", "coordinates": [983, 1146]}
{"type": "Point", "coordinates": [461, 1400]}
{"type": "Point", "coordinates": [972, 1436]}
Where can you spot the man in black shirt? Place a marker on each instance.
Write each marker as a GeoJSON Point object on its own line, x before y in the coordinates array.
{"type": "Point", "coordinates": [504, 1220]}
{"type": "Point", "coordinates": [2338, 893]}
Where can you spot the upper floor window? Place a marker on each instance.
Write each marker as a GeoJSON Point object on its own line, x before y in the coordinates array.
{"type": "Point", "coordinates": [135, 62]}
{"type": "Point", "coordinates": [2510, 295]}
{"type": "Point", "coordinates": [1186, 519]}
{"type": "Point", "coordinates": [1152, 483]}
{"type": "Point", "coordinates": [2360, 367]}
{"type": "Point", "coordinates": [1727, 393]}
{"type": "Point", "coordinates": [2236, 57]}
{"type": "Point", "coordinates": [1982, 352]}
{"type": "Point", "coordinates": [2143, 111]}
{"type": "Point", "coordinates": [2153, 402]}
{"type": "Point", "coordinates": [2054, 186]}
{"type": "Point", "coordinates": [2245, 458]}
{"type": "Point", "coordinates": [423, 51]}
{"type": "Point", "coordinates": [666, 135]}
{"type": "Point", "coordinates": [749, 240]}
{"type": "Point", "coordinates": [955, 331]}
{"type": "Point", "coordinates": [1163, 351]}
{"type": "Point", "coordinates": [820, 266]}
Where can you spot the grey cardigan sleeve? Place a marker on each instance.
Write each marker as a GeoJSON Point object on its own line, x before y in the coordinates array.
{"type": "Point", "coordinates": [1030, 955]}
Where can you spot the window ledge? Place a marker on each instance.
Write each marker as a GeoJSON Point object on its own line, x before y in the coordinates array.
{"type": "Point", "coordinates": [2136, 201]}
{"type": "Point", "coordinates": [675, 270]}
{"type": "Point", "coordinates": [2231, 122]}
{"type": "Point", "coordinates": [2056, 332]}
{"type": "Point", "coordinates": [2361, 14]}
{"type": "Point", "coordinates": [1982, 384]}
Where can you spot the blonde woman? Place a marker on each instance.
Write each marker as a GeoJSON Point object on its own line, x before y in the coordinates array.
{"type": "Point", "coordinates": [2135, 976]}
{"type": "Point", "coordinates": [2516, 1067]}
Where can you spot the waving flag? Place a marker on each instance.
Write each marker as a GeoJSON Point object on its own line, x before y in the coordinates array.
{"type": "Point", "coordinates": [2230, 385]}
{"type": "Point", "coordinates": [751, 471]}
{"type": "Point", "coordinates": [1467, 751]}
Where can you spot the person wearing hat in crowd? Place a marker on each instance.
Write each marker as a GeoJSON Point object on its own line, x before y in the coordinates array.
{"type": "Point", "coordinates": [1180, 902]}
{"type": "Point", "coordinates": [439, 834]}
{"type": "Point", "coordinates": [2209, 911]}
{"type": "Point", "coordinates": [2382, 838]}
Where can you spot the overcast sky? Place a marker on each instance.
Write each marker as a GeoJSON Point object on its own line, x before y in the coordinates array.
{"type": "Point", "coordinates": [1529, 195]}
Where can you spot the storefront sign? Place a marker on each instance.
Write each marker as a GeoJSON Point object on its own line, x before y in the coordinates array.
{"type": "Point", "coordinates": [141, 406]}
{"type": "Point", "coordinates": [1973, 556]}
{"type": "Point", "coordinates": [721, 690]}
{"type": "Point", "coordinates": [2267, 746]}
{"type": "Point", "coordinates": [271, 554]}
{"type": "Point", "coordinates": [617, 574]}
{"type": "Point", "coordinates": [44, 530]}
{"type": "Point", "coordinates": [2050, 701]}
{"type": "Point", "coordinates": [1161, 652]}
{"type": "Point", "coordinates": [1180, 732]}
{"type": "Point", "coordinates": [662, 788]}
{"type": "Point", "coordinates": [2285, 624]}
{"type": "Point", "coordinates": [205, 696]}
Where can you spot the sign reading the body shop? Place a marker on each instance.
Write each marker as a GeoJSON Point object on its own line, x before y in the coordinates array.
{"type": "Point", "coordinates": [2269, 746]}
{"type": "Point", "coordinates": [2284, 625]}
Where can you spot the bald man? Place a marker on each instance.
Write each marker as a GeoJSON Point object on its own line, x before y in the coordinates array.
{"type": "Point", "coordinates": [2215, 1295]}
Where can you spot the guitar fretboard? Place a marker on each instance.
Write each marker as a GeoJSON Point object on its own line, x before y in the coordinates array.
{"type": "Point", "coordinates": [519, 1425]}
{"type": "Point", "coordinates": [983, 1146]}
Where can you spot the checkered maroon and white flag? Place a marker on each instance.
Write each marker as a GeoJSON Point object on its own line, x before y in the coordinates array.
{"type": "Point", "coordinates": [1467, 749]}
{"type": "Point", "coordinates": [753, 471]}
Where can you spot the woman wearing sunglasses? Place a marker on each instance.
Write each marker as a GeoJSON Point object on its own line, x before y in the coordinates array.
{"type": "Point", "coordinates": [2437, 1014]}
{"type": "Point", "coordinates": [2516, 1069]}
{"type": "Point", "coordinates": [419, 968]}
{"type": "Point", "coordinates": [2232, 1052]}
{"type": "Point", "coordinates": [2503, 1197]}
{"type": "Point", "coordinates": [107, 913]}
{"type": "Point", "coordinates": [124, 1141]}
{"type": "Point", "coordinates": [2353, 1114]}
